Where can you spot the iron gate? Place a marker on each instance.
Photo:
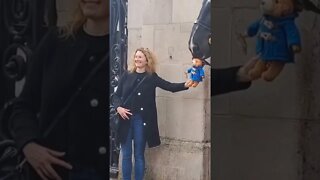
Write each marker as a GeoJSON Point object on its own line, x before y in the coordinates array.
{"type": "Point", "coordinates": [118, 55]}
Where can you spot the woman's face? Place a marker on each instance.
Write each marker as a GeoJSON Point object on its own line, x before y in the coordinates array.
{"type": "Point", "coordinates": [140, 60]}
{"type": "Point", "coordinates": [95, 9]}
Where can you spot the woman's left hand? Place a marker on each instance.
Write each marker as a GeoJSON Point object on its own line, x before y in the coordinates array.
{"type": "Point", "coordinates": [123, 112]}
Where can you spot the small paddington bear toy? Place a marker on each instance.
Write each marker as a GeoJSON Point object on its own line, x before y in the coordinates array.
{"type": "Point", "coordinates": [196, 73]}
{"type": "Point", "coordinates": [278, 38]}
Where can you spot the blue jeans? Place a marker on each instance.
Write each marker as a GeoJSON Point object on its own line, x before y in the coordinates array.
{"type": "Point", "coordinates": [136, 133]}
{"type": "Point", "coordinates": [85, 174]}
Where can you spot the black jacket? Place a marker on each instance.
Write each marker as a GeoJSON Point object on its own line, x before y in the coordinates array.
{"type": "Point", "coordinates": [225, 80]}
{"type": "Point", "coordinates": [51, 79]}
{"type": "Point", "coordinates": [146, 97]}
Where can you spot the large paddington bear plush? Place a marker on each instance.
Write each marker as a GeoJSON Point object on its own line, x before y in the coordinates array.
{"type": "Point", "coordinates": [196, 73]}
{"type": "Point", "coordinates": [278, 38]}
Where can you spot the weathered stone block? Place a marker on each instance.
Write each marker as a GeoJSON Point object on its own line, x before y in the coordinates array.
{"type": "Point", "coordinates": [221, 36]}
{"type": "Point", "coordinates": [148, 37]}
{"type": "Point", "coordinates": [136, 11]}
{"type": "Point", "coordinates": [241, 20]}
{"type": "Point", "coordinates": [251, 148]}
{"type": "Point", "coordinates": [175, 160]}
{"type": "Point", "coordinates": [180, 7]}
{"type": "Point", "coordinates": [157, 12]}
{"type": "Point", "coordinates": [171, 44]}
{"type": "Point", "coordinates": [134, 41]}
{"type": "Point", "coordinates": [182, 118]}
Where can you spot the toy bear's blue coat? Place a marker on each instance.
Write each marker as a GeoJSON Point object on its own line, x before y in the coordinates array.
{"type": "Point", "coordinates": [196, 73]}
{"type": "Point", "coordinates": [282, 33]}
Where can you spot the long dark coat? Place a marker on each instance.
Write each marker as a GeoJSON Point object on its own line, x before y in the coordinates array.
{"type": "Point", "coordinates": [147, 100]}
{"type": "Point", "coordinates": [225, 80]}
{"type": "Point", "coordinates": [47, 90]}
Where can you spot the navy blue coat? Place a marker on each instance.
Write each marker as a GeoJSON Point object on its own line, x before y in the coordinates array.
{"type": "Point", "coordinates": [50, 81]}
{"type": "Point", "coordinates": [147, 101]}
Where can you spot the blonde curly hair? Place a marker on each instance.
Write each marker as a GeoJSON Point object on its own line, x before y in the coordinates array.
{"type": "Point", "coordinates": [77, 22]}
{"type": "Point", "coordinates": [151, 59]}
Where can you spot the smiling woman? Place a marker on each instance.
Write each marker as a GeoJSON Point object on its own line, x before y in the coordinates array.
{"type": "Point", "coordinates": [135, 101]}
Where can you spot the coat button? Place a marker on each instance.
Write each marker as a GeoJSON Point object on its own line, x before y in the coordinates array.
{"type": "Point", "coordinates": [92, 59]}
{"type": "Point", "coordinates": [94, 102]}
{"type": "Point", "coordinates": [102, 150]}
{"type": "Point", "coordinates": [141, 109]}
{"type": "Point", "coordinates": [144, 124]}
{"type": "Point", "coordinates": [139, 94]}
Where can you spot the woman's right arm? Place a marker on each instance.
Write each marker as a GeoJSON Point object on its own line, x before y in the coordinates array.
{"type": "Point", "coordinates": [225, 80]}
{"type": "Point", "coordinates": [233, 78]}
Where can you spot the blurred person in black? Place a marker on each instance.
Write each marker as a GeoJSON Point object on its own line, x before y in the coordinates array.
{"type": "Point", "coordinates": [76, 146]}
{"type": "Point", "coordinates": [222, 80]}
{"type": "Point", "coordinates": [231, 79]}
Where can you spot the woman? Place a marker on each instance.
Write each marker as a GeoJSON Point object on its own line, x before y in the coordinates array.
{"type": "Point", "coordinates": [61, 62]}
{"type": "Point", "coordinates": [139, 115]}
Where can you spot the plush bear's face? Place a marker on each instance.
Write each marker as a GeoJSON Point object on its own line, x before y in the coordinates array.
{"type": "Point", "coordinates": [277, 8]}
{"type": "Point", "coordinates": [197, 62]}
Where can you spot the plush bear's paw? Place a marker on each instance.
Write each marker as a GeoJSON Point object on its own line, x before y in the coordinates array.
{"type": "Point", "coordinates": [254, 74]}
{"type": "Point", "coordinates": [268, 77]}
{"type": "Point", "coordinates": [195, 84]}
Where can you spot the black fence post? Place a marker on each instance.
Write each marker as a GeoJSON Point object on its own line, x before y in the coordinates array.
{"type": "Point", "coordinates": [118, 64]}
{"type": "Point", "coordinates": [23, 23]}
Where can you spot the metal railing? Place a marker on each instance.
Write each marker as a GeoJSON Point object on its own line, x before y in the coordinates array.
{"type": "Point", "coordinates": [118, 64]}
{"type": "Point", "coordinates": [24, 22]}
